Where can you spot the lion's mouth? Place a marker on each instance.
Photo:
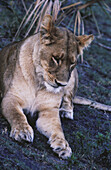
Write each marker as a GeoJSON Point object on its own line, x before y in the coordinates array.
{"type": "Point", "coordinates": [57, 84]}
{"type": "Point", "coordinates": [52, 85]}
{"type": "Point", "coordinates": [52, 88]}
{"type": "Point", "coordinates": [60, 84]}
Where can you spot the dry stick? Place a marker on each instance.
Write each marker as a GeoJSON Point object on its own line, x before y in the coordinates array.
{"type": "Point", "coordinates": [72, 5]}
{"type": "Point", "coordinates": [82, 27]}
{"type": "Point", "coordinates": [42, 14]}
{"type": "Point", "coordinates": [56, 9]}
{"type": "Point", "coordinates": [104, 46]}
{"type": "Point", "coordinates": [75, 25]}
{"type": "Point", "coordinates": [34, 19]}
{"type": "Point", "coordinates": [81, 6]}
{"type": "Point", "coordinates": [21, 25]}
{"type": "Point", "coordinates": [87, 4]}
{"type": "Point", "coordinates": [63, 16]}
{"type": "Point", "coordinates": [49, 8]}
{"type": "Point", "coordinates": [24, 5]}
{"type": "Point", "coordinates": [79, 21]}
{"type": "Point", "coordinates": [104, 38]}
{"type": "Point", "coordinates": [107, 7]}
{"type": "Point", "coordinates": [87, 102]}
{"type": "Point", "coordinates": [32, 12]}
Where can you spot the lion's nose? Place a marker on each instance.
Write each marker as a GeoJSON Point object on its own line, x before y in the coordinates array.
{"type": "Point", "coordinates": [59, 83]}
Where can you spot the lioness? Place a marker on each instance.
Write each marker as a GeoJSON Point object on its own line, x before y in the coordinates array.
{"type": "Point", "coordinates": [39, 74]}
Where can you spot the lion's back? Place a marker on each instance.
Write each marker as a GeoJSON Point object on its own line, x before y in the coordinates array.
{"type": "Point", "coordinates": [8, 59]}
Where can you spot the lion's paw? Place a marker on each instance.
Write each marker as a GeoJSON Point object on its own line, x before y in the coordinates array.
{"type": "Point", "coordinates": [66, 113]}
{"type": "Point", "coordinates": [23, 132]}
{"type": "Point", "coordinates": [60, 146]}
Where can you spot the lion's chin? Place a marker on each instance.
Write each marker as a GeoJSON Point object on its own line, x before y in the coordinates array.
{"type": "Point", "coordinates": [53, 89]}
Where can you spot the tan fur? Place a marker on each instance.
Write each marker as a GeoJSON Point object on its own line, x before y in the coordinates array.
{"type": "Point", "coordinates": [39, 74]}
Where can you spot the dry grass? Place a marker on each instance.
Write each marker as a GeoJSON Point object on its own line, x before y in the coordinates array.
{"type": "Point", "coordinates": [37, 10]}
{"type": "Point", "coordinates": [34, 15]}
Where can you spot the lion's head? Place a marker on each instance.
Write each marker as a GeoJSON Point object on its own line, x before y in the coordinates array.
{"type": "Point", "coordinates": [58, 52]}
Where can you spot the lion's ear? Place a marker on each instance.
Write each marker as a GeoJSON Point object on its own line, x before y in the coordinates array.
{"type": "Point", "coordinates": [46, 30]}
{"type": "Point", "coordinates": [83, 42]}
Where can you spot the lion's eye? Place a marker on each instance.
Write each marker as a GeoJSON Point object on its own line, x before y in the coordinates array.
{"type": "Point", "coordinates": [72, 66]}
{"type": "Point", "coordinates": [56, 60]}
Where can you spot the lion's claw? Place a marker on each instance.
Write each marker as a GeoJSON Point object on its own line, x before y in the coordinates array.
{"type": "Point", "coordinates": [61, 147]}
{"type": "Point", "coordinates": [24, 132]}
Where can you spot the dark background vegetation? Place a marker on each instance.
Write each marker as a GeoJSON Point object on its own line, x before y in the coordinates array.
{"type": "Point", "coordinates": [89, 134]}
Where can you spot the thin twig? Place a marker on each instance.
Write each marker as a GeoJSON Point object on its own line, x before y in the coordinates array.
{"type": "Point", "coordinates": [24, 5]}
{"type": "Point", "coordinates": [72, 5]}
{"type": "Point", "coordinates": [87, 4]}
{"type": "Point", "coordinates": [82, 27]}
{"type": "Point", "coordinates": [107, 7]}
{"type": "Point", "coordinates": [106, 12]}
{"type": "Point", "coordinates": [105, 39]}
{"type": "Point", "coordinates": [63, 16]}
{"type": "Point", "coordinates": [72, 18]}
{"type": "Point", "coordinates": [32, 12]}
{"type": "Point", "coordinates": [56, 9]}
{"type": "Point", "coordinates": [104, 46]}
{"type": "Point", "coordinates": [21, 25]}
{"type": "Point", "coordinates": [42, 14]}
{"type": "Point", "coordinates": [64, 25]}
{"type": "Point", "coordinates": [49, 8]}
{"type": "Point", "coordinates": [33, 20]}
{"type": "Point", "coordinates": [75, 25]}
{"type": "Point", "coordinates": [79, 22]}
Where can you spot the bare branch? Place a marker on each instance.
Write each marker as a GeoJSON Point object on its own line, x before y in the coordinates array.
{"type": "Point", "coordinates": [21, 25]}
{"type": "Point", "coordinates": [104, 38]}
{"type": "Point", "coordinates": [87, 4]}
{"type": "Point", "coordinates": [104, 46]}
{"type": "Point", "coordinates": [24, 5]}
{"type": "Point", "coordinates": [72, 5]}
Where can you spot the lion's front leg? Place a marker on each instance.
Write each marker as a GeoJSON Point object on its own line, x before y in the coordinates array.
{"type": "Point", "coordinates": [66, 109]}
{"type": "Point", "coordinates": [49, 124]}
{"type": "Point", "coordinates": [12, 110]}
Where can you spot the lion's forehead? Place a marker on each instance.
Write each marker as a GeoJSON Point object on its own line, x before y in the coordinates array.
{"type": "Point", "coordinates": [64, 45]}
